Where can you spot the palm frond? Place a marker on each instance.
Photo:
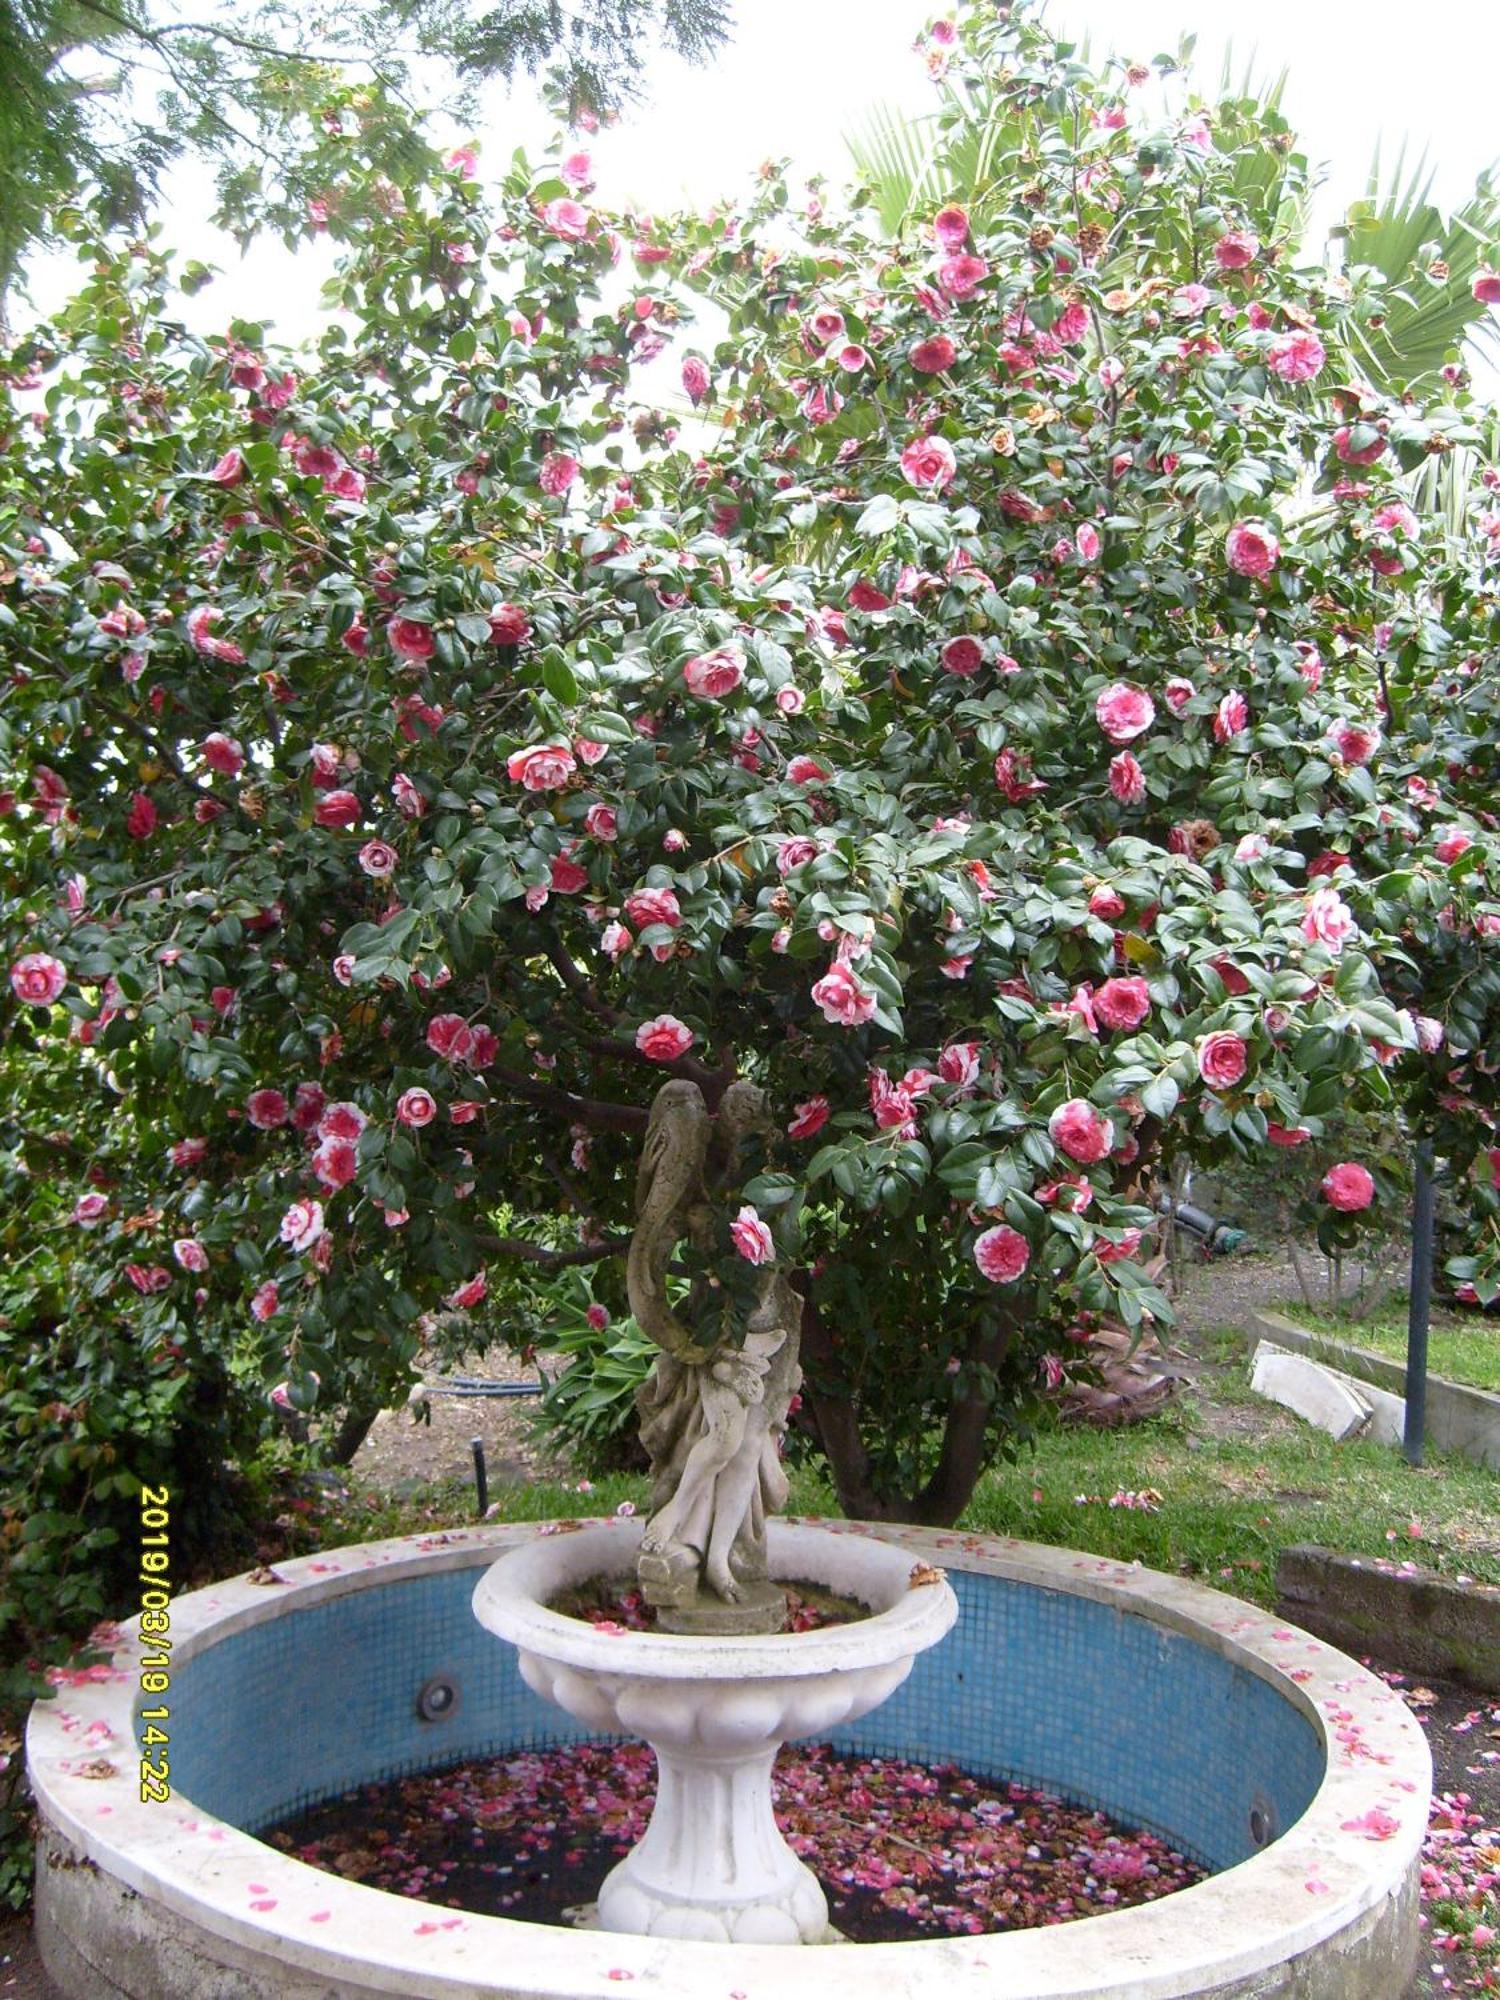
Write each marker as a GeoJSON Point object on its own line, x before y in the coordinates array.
{"type": "Point", "coordinates": [1429, 263]}
{"type": "Point", "coordinates": [895, 155]}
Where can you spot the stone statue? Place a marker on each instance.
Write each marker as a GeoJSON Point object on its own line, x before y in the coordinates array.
{"type": "Point", "coordinates": [712, 1413]}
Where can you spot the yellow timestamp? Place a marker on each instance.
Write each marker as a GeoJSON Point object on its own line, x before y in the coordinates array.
{"type": "Point", "coordinates": [156, 1642]}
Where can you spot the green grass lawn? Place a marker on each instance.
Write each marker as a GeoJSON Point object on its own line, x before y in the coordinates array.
{"type": "Point", "coordinates": [1464, 1348]}
{"type": "Point", "coordinates": [1238, 1481]}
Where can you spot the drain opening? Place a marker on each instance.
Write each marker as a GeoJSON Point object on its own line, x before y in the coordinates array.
{"type": "Point", "coordinates": [1262, 1822]}
{"type": "Point", "coordinates": [438, 1698]}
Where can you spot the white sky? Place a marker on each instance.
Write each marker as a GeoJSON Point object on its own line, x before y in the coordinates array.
{"type": "Point", "coordinates": [801, 73]}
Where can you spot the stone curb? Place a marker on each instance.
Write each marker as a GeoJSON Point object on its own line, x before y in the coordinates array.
{"type": "Point", "coordinates": [1459, 1419]}
{"type": "Point", "coordinates": [1364, 1605]}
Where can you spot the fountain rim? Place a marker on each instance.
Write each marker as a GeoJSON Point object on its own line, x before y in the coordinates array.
{"type": "Point", "coordinates": [196, 1870]}
{"type": "Point", "coordinates": [904, 1618]}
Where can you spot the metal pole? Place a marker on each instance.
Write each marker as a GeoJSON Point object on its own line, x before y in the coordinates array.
{"type": "Point", "coordinates": [481, 1481]}
{"type": "Point", "coordinates": [1420, 1311]}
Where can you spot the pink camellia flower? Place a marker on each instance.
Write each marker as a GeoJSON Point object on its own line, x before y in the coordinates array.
{"type": "Point", "coordinates": [265, 1300]}
{"type": "Point", "coordinates": [1430, 1034]}
{"type": "Point", "coordinates": [38, 978]}
{"type": "Point", "coordinates": [342, 1121]}
{"type": "Point", "coordinates": [199, 623]}
{"type": "Point", "coordinates": [190, 1254]}
{"type": "Point", "coordinates": [1081, 1131]}
{"type": "Point", "coordinates": [557, 474]}
{"type": "Point", "coordinates": [567, 875]}
{"type": "Point", "coordinates": [542, 766]}
{"type": "Point", "coordinates": [1236, 249]}
{"type": "Point", "coordinates": [1231, 716]}
{"type": "Point", "coordinates": [1195, 133]}
{"type": "Point", "coordinates": [653, 906]}
{"type": "Point", "coordinates": [230, 469]}
{"type": "Point", "coordinates": [1328, 920]}
{"type": "Point", "coordinates": [378, 858]}
{"type": "Point", "coordinates": [343, 968]}
{"type": "Point", "coordinates": [509, 625]}
{"type": "Point", "coordinates": [1486, 288]}
{"type": "Point", "coordinates": [317, 461]}
{"type": "Point", "coordinates": [950, 226]}
{"type": "Point", "coordinates": [266, 1109]}
{"type": "Point", "coordinates": [1178, 694]}
{"type": "Point", "coordinates": [615, 940]}
{"type": "Point", "coordinates": [1124, 712]}
{"type": "Point", "coordinates": [602, 821]}
{"type": "Point", "coordinates": [1287, 1135]}
{"type": "Point", "coordinates": [1297, 356]}
{"type": "Point", "coordinates": [597, 1316]}
{"type": "Point", "coordinates": [1450, 844]}
{"type": "Point", "coordinates": [566, 219]}
{"type": "Point", "coordinates": [335, 1162]}
{"type": "Point", "coordinates": [713, 675]}
{"type": "Point", "coordinates": [409, 801]}
{"type": "Point", "coordinates": [695, 379]}
{"type": "Point", "coordinates": [450, 1036]}
{"type": "Point", "coordinates": [1251, 847]}
{"type": "Point", "coordinates": [1348, 1186]}
{"type": "Point", "coordinates": [1251, 549]}
{"type": "Point", "coordinates": [1356, 742]}
{"type": "Point", "coordinates": [794, 851]}
{"type": "Point", "coordinates": [664, 1039]}
{"type": "Point", "coordinates": [958, 1064]}
{"type": "Point", "coordinates": [1002, 1255]}
{"type": "Point", "coordinates": [790, 700]}
{"type": "Point", "coordinates": [148, 1278]}
{"type": "Point", "coordinates": [89, 1209]}
{"type": "Point", "coordinates": [929, 461]}
{"type": "Point", "coordinates": [751, 1237]}
{"type": "Point", "coordinates": [1126, 779]}
{"type": "Point", "coordinates": [963, 656]}
{"type": "Point", "coordinates": [808, 1118]}
{"type": "Point", "coordinates": [864, 596]}
{"type": "Point", "coordinates": [302, 1224]}
{"type": "Point", "coordinates": [416, 1107]}
{"type": "Point", "coordinates": [820, 405]}
{"type": "Point", "coordinates": [338, 809]}
{"type": "Point", "coordinates": [961, 276]}
{"type": "Point", "coordinates": [1087, 542]}
{"type": "Point", "coordinates": [308, 1105]}
{"type": "Point", "coordinates": [1107, 904]}
{"type": "Point", "coordinates": [468, 1294]}
{"type": "Point", "coordinates": [1222, 1059]}
{"type": "Point", "coordinates": [141, 820]}
{"type": "Point", "coordinates": [188, 1152]}
{"type": "Point", "coordinates": [807, 771]}
{"type": "Point", "coordinates": [933, 355]}
{"type": "Point", "coordinates": [223, 754]}
{"type": "Point", "coordinates": [1122, 1003]}
{"type": "Point", "coordinates": [851, 357]}
{"type": "Point", "coordinates": [577, 170]}
{"type": "Point", "coordinates": [1365, 454]}
{"type": "Point", "coordinates": [843, 998]}
{"type": "Point", "coordinates": [1189, 300]}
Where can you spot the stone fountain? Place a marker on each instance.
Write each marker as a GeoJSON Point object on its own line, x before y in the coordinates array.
{"type": "Point", "coordinates": [719, 1686]}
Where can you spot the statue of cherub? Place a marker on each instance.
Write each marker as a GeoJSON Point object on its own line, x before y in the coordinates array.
{"type": "Point", "coordinates": [712, 1416]}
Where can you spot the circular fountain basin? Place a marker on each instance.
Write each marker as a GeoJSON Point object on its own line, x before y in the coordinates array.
{"type": "Point", "coordinates": [712, 1865]}
{"type": "Point", "coordinates": [1250, 1745]}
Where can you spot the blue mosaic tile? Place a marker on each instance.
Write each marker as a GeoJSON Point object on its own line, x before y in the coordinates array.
{"type": "Point", "coordinates": [1034, 1685]}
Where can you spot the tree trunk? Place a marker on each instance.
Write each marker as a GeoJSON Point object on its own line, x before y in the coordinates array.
{"type": "Point", "coordinates": [961, 1457]}
{"type": "Point", "coordinates": [352, 1430]}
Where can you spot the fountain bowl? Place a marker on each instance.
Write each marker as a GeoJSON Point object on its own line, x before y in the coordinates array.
{"type": "Point", "coordinates": [712, 1865]}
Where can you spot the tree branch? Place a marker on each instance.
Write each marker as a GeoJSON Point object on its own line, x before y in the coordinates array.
{"type": "Point", "coordinates": [552, 1260]}
{"type": "Point", "coordinates": [597, 1113]}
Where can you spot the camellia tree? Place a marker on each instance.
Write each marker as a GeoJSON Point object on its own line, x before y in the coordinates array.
{"type": "Point", "coordinates": [1014, 715]}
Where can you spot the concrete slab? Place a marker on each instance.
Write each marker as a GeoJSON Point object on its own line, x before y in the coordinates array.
{"type": "Point", "coordinates": [1320, 1397]}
